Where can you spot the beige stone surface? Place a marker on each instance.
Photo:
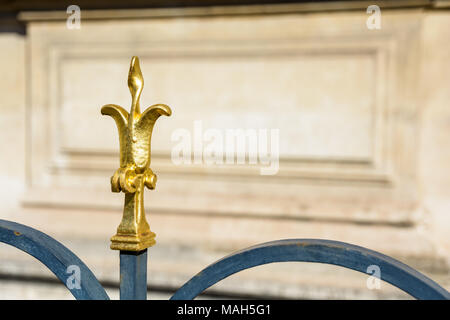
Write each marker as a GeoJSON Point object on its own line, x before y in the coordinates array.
{"type": "Point", "coordinates": [434, 155]}
{"type": "Point", "coordinates": [13, 120]}
{"type": "Point", "coordinates": [337, 94]}
{"type": "Point", "coordinates": [363, 118]}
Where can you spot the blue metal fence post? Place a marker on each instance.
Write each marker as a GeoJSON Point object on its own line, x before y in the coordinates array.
{"type": "Point", "coordinates": [133, 275]}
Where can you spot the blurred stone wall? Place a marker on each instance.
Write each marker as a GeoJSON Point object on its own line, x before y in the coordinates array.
{"type": "Point", "coordinates": [364, 140]}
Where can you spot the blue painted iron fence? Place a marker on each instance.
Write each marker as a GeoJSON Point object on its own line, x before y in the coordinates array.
{"type": "Point", "coordinates": [133, 265]}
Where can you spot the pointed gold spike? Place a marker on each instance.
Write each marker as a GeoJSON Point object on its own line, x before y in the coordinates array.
{"type": "Point", "coordinates": [135, 131]}
{"type": "Point", "coordinates": [135, 84]}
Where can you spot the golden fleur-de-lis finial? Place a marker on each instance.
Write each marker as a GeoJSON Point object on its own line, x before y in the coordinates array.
{"type": "Point", "coordinates": [135, 132]}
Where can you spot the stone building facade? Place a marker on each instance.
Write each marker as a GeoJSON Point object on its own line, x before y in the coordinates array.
{"type": "Point", "coordinates": [364, 137]}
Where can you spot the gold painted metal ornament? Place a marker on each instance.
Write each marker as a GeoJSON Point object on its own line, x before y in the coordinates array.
{"type": "Point", "coordinates": [135, 132]}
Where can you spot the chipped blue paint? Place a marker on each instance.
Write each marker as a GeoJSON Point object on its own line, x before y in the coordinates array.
{"type": "Point", "coordinates": [54, 256]}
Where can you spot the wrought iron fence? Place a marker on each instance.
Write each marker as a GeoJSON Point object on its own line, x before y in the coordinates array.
{"type": "Point", "coordinates": [133, 235]}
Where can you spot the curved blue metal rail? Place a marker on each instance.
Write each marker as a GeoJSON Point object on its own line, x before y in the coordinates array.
{"type": "Point", "coordinates": [313, 250]}
{"type": "Point", "coordinates": [58, 259]}
{"type": "Point", "coordinates": [55, 256]}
